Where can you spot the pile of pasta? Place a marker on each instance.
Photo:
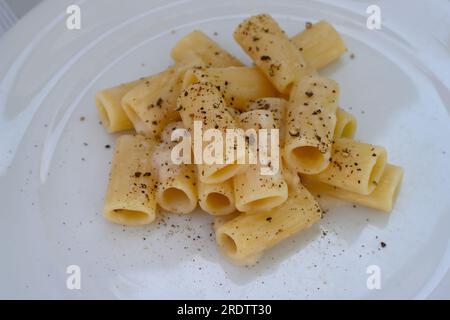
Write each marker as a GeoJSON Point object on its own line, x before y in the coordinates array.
{"type": "Point", "coordinates": [284, 90]}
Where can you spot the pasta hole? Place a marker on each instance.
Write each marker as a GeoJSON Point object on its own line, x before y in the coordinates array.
{"type": "Point", "coordinates": [308, 157]}
{"type": "Point", "coordinates": [175, 199]}
{"type": "Point", "coordinates": [217, 201]}
{"type": "Point", "coordinates": [228, 243]}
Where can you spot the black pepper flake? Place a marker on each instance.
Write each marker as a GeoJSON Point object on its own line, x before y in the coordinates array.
{"type": "Point", "coordinates": [159, 102]}
{"type": "Point", "coordinates": [107, 146]}
{"type": "Point", "coordinates": [147, 174]}
{"type": "Point", "coordinates": [137, 174]}
{"type": "Point", "coordinates": [309, 94]}
{"type": "Point", "coordinates": [265, 58]}
{"type": "Point", "coordinates": [82, 119]}
{"type": "Point", "coordinates": [383, 244]}
{"type": "Point", "coordinates": [269, 219]}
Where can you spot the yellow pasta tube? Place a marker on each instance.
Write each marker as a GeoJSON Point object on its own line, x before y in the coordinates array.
{"type": "Point", "coordinates": [272, 51]}
{"type": "Point", "coordinates": [311, 121]}
{"type": "Point", "coordinates": [320, 44]}
{"type": "Point", "coordinates": [245, 237]}
{"type": "Point", "coordinates": [355, 166]}
{"type": "Point", "coordinates": [202, 104]}
{"type": "Point", "coordinates": [151, 105]}
{"type": "Point", "coordinates": [208, 50]}
{"type": "Point", "coordinates": [253, 191]}
{"type": "Point", "coordinates": [382, 198]}
{"type": "Point", "coordinates": [177, 190]}
{"type": "Point", "coordinates": [217, 198]}
{"type": "Point", "coordinates": [345, 124]}
{"type": "Point", "coordinates": [130, 197]}
{"type": "Point", "coordinates": [238, 85]}
{"type": "Point", "coordinates": [278, 108]}
{"type": "Point", "coordinates": [108, 103]}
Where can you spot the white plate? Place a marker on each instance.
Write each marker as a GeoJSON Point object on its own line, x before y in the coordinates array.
{"type": "Point", "coordinates": [52, 185]}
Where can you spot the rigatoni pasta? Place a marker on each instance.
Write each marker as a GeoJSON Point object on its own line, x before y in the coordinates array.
{"type": "Point", "coordinates": [245, 237]}
{"type": "Point", "coordinates": [239, 85]}
{"type": "Point", "coordinates": [311, 121]}
{"type": "Point", "coordinates": [382, 197]}
{"type": "Point", "coordinates": [272, 51]}
{"type": "Point", "coordinates": [203, 103]}
{"type": "Point", "coordinates": [199, 44]}
{"type": "Point", "coordinates": [109, 106]}
{"type": "Point", "coordinates": [130, 198]}
{"type": "Point", "coordinates": [354, 166]}
{"type": "Point", "coordinates": [320, 44]}
{"type": "Point", "coordinates": [248, 144]}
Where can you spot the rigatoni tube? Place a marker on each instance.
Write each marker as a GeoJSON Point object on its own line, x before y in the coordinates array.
{"type": "Point", "coordinates": [253, 191]}
{"type": "Point", "coordinates": [311, 121]}
{"type": "Point", "coordinates": [238, 85]}
{"type": "Point", "coordinates": [108, 103]}
{"type": "Point", "coordinates": [272, 51]}
{"type": "Point", "coordinates": [246, 236]}
{"type": "Point", "coordinates": [382, 198]}
{"type": "Point", "coordinates": [203, 104]}
{"type": "Point", "coordinates": [355, 166]}
{"type": "Point", "coordinates": [320, 44]}
{"type": "Point", "coordinates": [130, 197]}
{"type": "Point", "coordinates": [199, 44]}
{"type": "Point", "coordinates": [177, 190]}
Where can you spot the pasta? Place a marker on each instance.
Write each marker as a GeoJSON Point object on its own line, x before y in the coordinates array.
{"type": "Point", "coordinates": [245, 237]}
{"type": "Point", "coordinates": [238, 85]}
{"type": "Point", "coordinates": [217, 198]}
{"type": "Point", "coordinates": [382, 198]}
{"type": "Point", "coordinates": [130, 197]}
{"type": "Point", "coordinates": [177, 190]}
{"type": "Point", "coordinates": [354, 166]}
{"type": "Point", "coordinates": [109, 107]}
{"type": "Point", "coordinates": [151, 105]}
{"type": "Point", "coordinates": [278, 108]}
{"type": "Point", "coordinates": [249, 144]}
{"type": "Point", "coordinates": [199, 44]}
{"type": "Point", "coordinates": [203, 103]}
{"type": "Point", "coordinates": [345, 124]}
{"type": "Point", "coordinates": [311, 121]}
{"type": "Point", "coordinates": [272, 51]}
{"type": "Point", "coordinates": [320, 44]}
{"type": "Point", "coordinates": [255, 192]}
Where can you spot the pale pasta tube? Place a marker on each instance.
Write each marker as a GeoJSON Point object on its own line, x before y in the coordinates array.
{"type": "Point", "coordinates": [253, 191]}
{"type": "Point", "coordinates": [217, 198]}
{"type": "Point", "coordinates": [245, 237]}
{"type": "Point", "coordinates": [108, 103]}
{"type": "Point", "coordinates": [272, 51]}
{"type": "Point", "coordinates": [151, 105]}
{"type": "Point", "coordinates": [130, 197]}
{"type": "Point", "coordinates": [177, 190]}
{"type": "Point", "coordinates": [320, 44]}
{"type": "Point", "coordinates": [238, 85]}
{"type": "Point", "coordinates": [355, 166]}
{"type": "Point", "coordinates": [208, 50]}
{"type": "Point", "coordinates": [278, 108]}
{"type": "Point", "coordinates": [382, 198]}
{"type": "Point", "coordinates": [203, 105]}
{"type": "Point", "coordinates": [311, 121]}
{"type": "Point", "coordinates": [345, 124]}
